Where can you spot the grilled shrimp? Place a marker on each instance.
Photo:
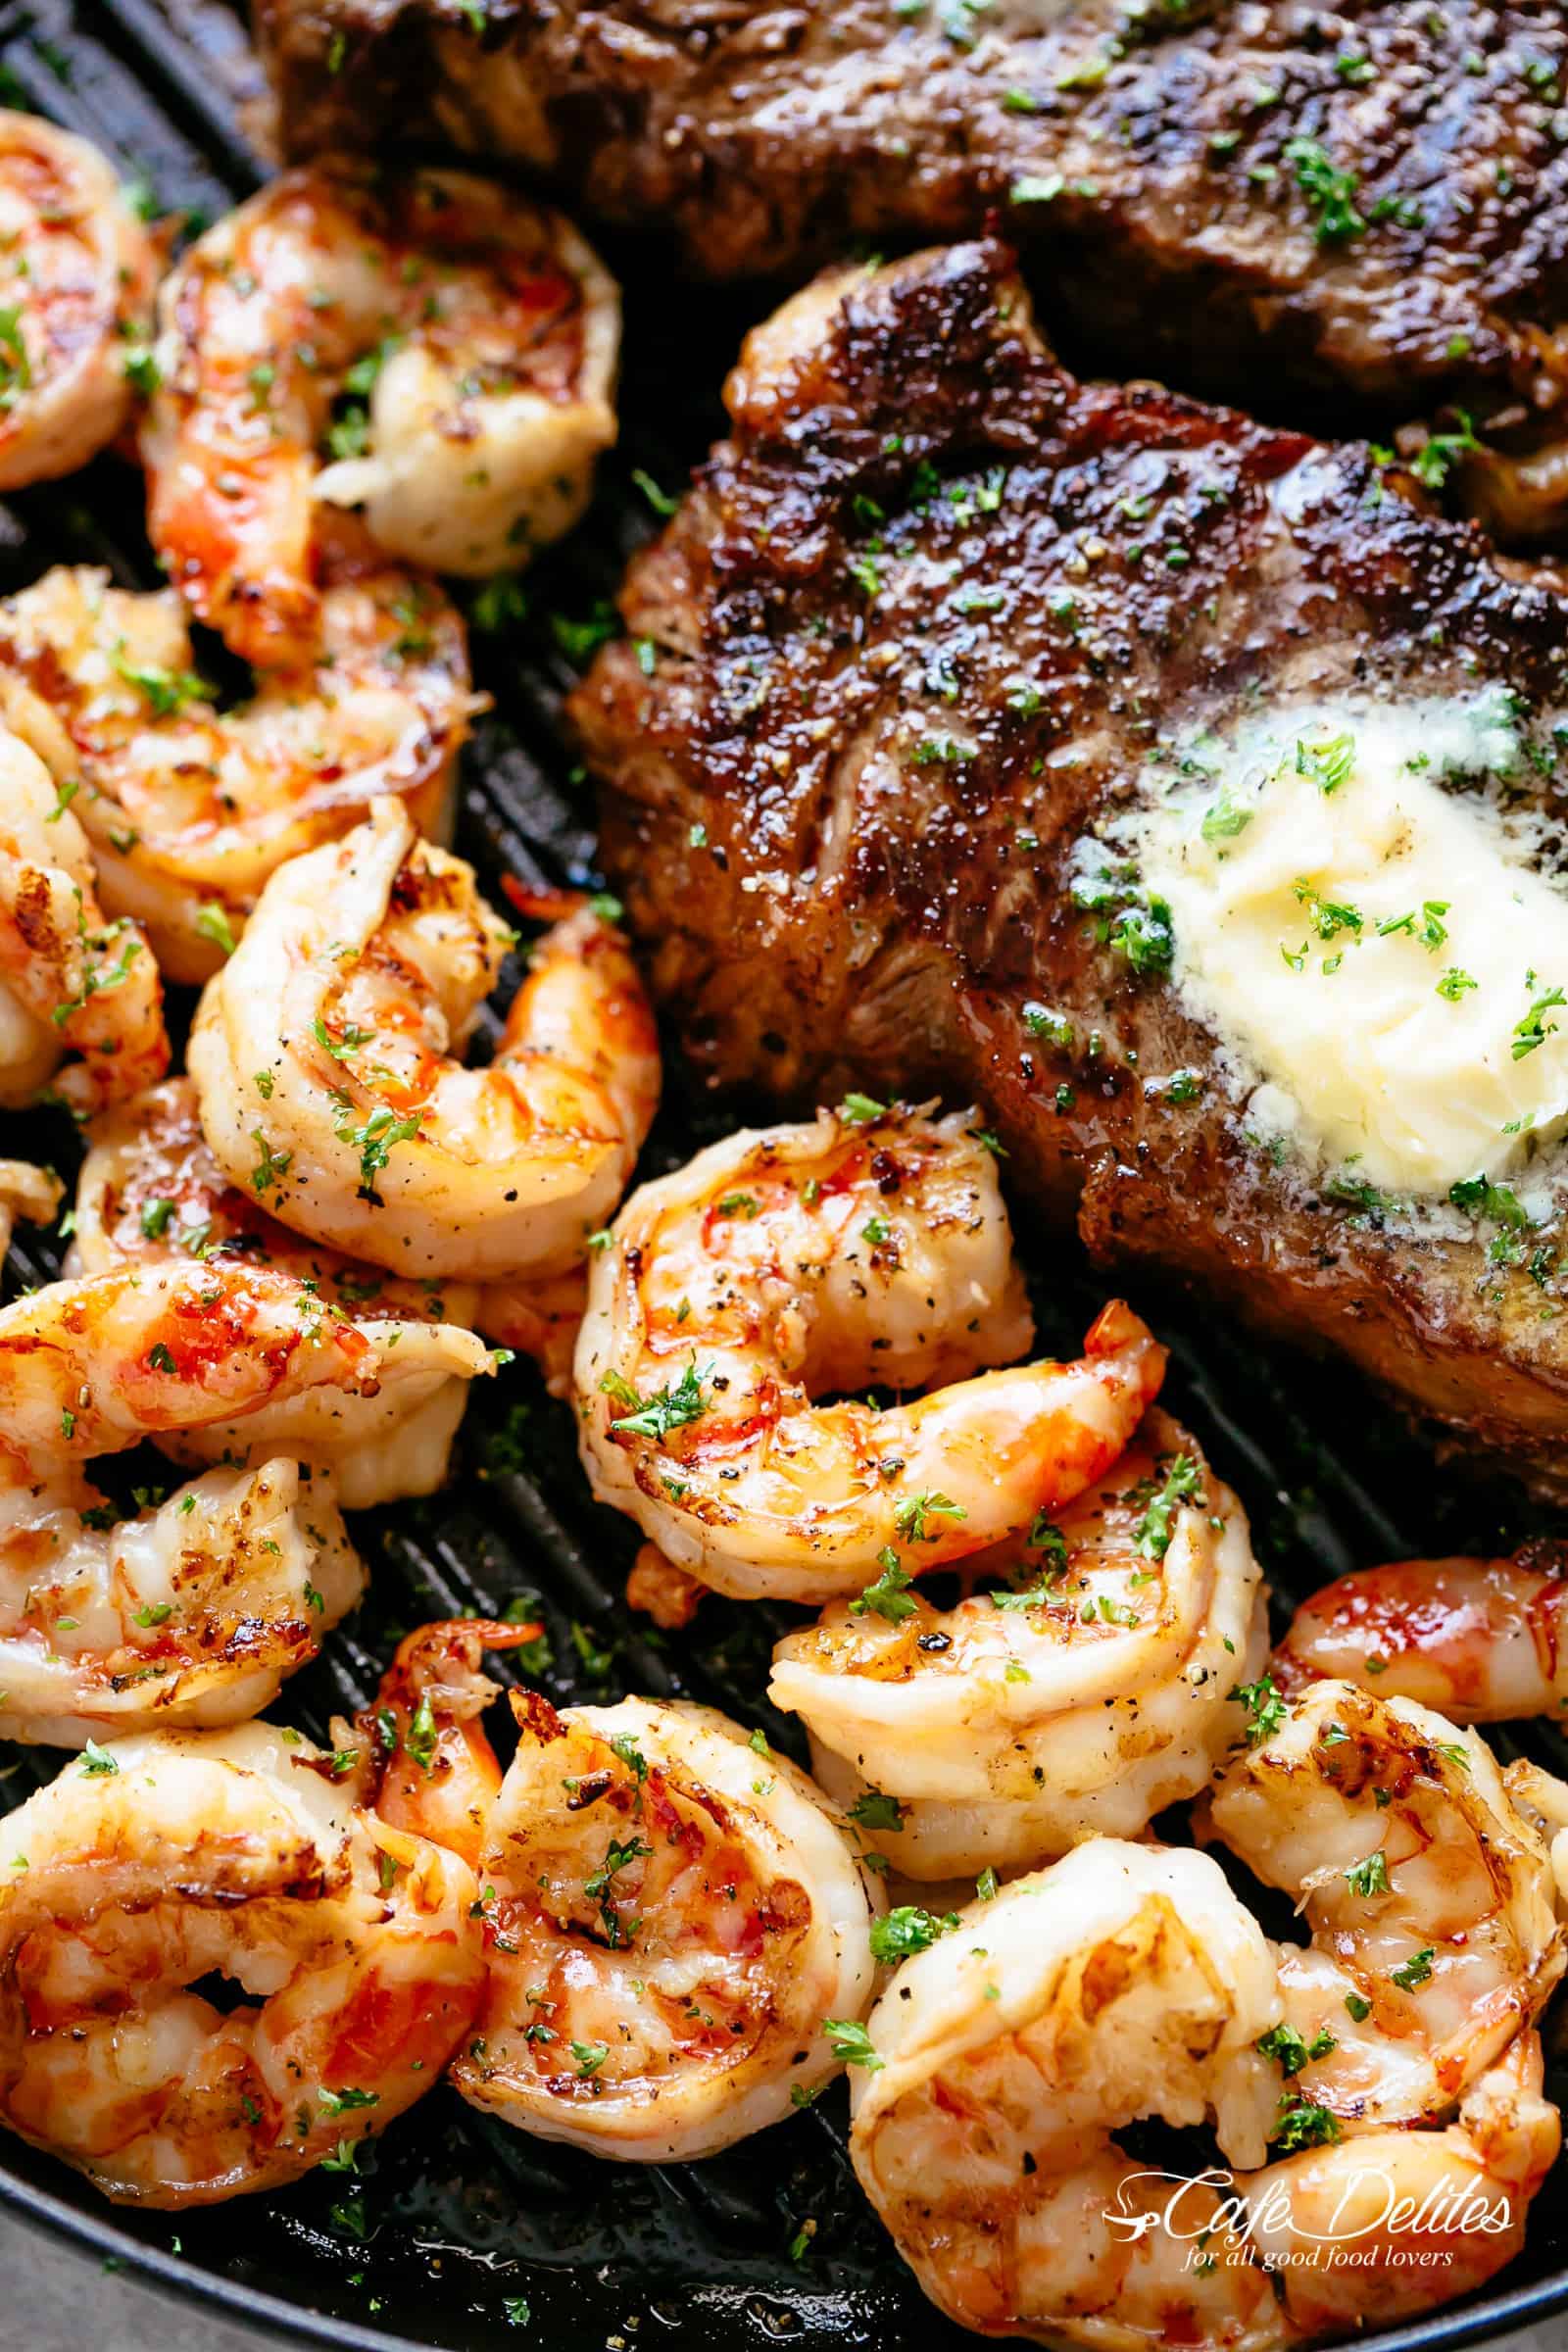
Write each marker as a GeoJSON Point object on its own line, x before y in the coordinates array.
{"type": "Point", "coordinates": [333, 1034]}
{"type": "Point", "coordinates": [669, 1917]}
{"type": "Point", "coordinates": [1084, 1685]}
{"type": "Point", "coordinates": [171, 1857]}
{"type": "Point", "coordinates": [1429, 1895]}
{"type": "Point", "coordinates": [77, 276]}
{"type": "Point", "coordinates": [192, 1610]}
{"type": "Point", "coordinates": [467, 339]}
{"type": "Point", "coordinates": [784, 1264]}
{"type": "Point", "coordinates": [69, 982]}
{"type": "Point", "coordinates": [189, 808]}
{"type": "Point", "coordinates": [150, 1192]}
{"type": "Point", "coordinates": [1123, 1982]}
{"type": "Point", "coordinates": [1481, 1641]}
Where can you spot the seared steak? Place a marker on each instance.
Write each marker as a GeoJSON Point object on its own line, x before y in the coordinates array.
{"type": "Point", "coordinates": [1370, 201]}
{"type": "Point", "coordinates": [895, 680]}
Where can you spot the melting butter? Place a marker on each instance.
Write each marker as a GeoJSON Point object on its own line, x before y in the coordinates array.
{"type": "Point", "coordinates": [1384, 956]}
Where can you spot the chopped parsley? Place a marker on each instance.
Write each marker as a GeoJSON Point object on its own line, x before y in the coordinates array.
{"type": "Point", "coordinates": [907, 1929]}
{"type": "Point", "coordinates": [1264, 1704]}
{"type": "Point", "coordinates": [849, 2041]}
{"type": "Point", "coordinates": [888, 1597]}
{"type": "Point", "coordinates": [668, 1409]}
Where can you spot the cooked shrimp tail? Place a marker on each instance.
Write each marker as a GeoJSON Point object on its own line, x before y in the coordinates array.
{"type": "Point", "coordinates": [426, 1763]}
{"type": "Point", "coordinates": [1480, 1640]}
{"type": "Point", "coordinates": [29, 1196]}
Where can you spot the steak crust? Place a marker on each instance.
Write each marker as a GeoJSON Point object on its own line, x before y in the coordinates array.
{"type": "Point", "coordinates": [912, 636]}
{"type": "Point", "coordinates": [1261, 202]}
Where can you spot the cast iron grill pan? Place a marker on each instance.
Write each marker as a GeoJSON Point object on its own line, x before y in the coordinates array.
{"type": "Point", "coordinates": [454, 2217]}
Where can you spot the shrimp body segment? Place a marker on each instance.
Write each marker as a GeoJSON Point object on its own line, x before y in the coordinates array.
{"type": "Point", "coordinates": [171, 1857]}
{"type": "Point", "coordinates": [151, 1193]}
{"type": "Point", "coordinates": [334, 1033]}
{"type": "Point", "coordinates": [190, 807]}
{"type": "Point", "coordinates": [1480, 1639]}
{"type": "Point", "coordinates": [469, 339]}
{"type": "Point", "coordinates": [1124, 1983]}
{"type": "Point", "coordinates": [1083, 1686]}
{"type": "Point", "coordinates": [784, 1264]}
{"type": "Point", "coordinates": [1429, 1895]}
{"type": "Point", "coordinates": [76, 275]}
{"type": "Point", "coordinates": [669, 1917]}
{"type": "Point", "coordinates": [70, 981]}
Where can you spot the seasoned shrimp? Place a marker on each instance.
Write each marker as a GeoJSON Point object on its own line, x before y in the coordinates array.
{"type": "Point", "coordinates": [420, 1755]}
{"type": "Point", "coordinates": [799, 1260]}
{"type": "Point", "coordinates": [99, 1622]}
{"type": "Point", "coordinates": [1481, 1641]}
{"type": "Point", "coordinates": [171, 1857]}
{"type": "Point", "coordinates": [192, 1609]}
{"type": "Point", "coordinates": [69, 982]}
{"type": "Point", "coordinates": [150, 1192]}
{"type": "Point", "coordinates": [333, 1035]}
{"type": "Point", "coordinates": [1124, 1983]}
{"type": "Point", "coordinates": [1420, 2217]}
{"type": "Point", "coordinates": [669, 1917]}
{"type": "Point", "coordinates": [469, 339]}
{"type": "Point", "coordinates": [27, 1195]}
{"type": "Point", "coordinates": [1087, 1684]}
{"type": "Point", "coordinates": [1428, 1895]}
{"type": "Point", "coordinates": [77, 276]}
{"type": "Point", "coordinates": [188, 807]}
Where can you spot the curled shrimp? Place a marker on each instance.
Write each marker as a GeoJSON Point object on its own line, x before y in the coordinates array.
{"type": "Point", "coordinates": [469, 338]}
{"type": "Point", "coordinates": [77, 276]}
{"type": "Point", "coordinates": [1086, 1685]}
{"type": "Point", "coordinates": [151, 1193]}
{"type": "Point", "coordinates": [1480, 1640]}
{"type": "Point", "coordinates": [334, 1034]}
{"type": "Point", "coordinates": [1428, 1895]}
{"type": "Point", "coordinates": [171, 1857]}
{"type": "Point", "coordinates": [670, 1915]}
{"type": "Point", "coordinates": [799, 1260]}
{"type": "Point", "coordinates": [190, 807]}
{"type": "Point", "coordinates": [1005, 2059]}
{"type": "Point", "coordinates": [69, 982]}
{"type": "Point", "coordinates": [188, 1610]}
{"type": "Point", "coordinates": [421, 1755]}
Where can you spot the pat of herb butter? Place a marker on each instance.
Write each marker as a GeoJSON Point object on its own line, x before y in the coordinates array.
{"type": "Point", "coordinates": [1383, 956]}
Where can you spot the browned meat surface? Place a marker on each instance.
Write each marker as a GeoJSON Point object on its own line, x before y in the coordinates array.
{"type": "Point", "coordinates": [1371, 199]}
{"type": "Point", "coordinates": [915, 633]}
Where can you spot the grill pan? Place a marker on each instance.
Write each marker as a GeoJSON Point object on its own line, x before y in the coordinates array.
{"type": "Point", "coordinates": [455, 2218]}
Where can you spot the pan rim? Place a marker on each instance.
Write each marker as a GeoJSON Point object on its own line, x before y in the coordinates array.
{"type": "Point", "coordinates": [254, 2306]}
